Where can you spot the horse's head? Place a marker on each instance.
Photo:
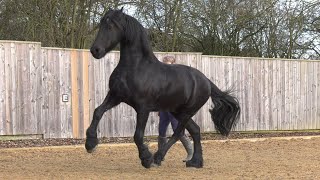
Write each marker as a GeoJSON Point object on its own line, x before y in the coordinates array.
{"type": "Point", "coordinates": [110, 33]}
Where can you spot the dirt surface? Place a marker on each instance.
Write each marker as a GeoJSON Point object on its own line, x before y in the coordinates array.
{"type": "Point", "coordinates": [204, 136]}
{"type": "Point", "coordinates": [268, 159]}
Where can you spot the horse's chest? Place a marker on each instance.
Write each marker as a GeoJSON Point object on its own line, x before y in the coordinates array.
{"type": "Point", "coordinates": [118, 83]}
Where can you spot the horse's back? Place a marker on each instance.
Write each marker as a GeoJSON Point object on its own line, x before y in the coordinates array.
{"type": "Point", "coordinates": [185, 87]}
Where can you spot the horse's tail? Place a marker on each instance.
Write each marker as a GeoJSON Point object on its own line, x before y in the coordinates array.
{"type": "Point", "coordinates": [226, 110]}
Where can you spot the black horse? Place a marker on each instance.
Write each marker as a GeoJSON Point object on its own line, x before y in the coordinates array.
{"type": "Point", "coordinates": [146, 84]}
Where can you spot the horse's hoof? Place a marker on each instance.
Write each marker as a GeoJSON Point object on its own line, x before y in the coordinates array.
{"type": "Point", "coordinates": [147, 163]}
{"type": "Point", "coordinates": [92, 150]}
{"type": "Point", "coordinates": [91, 144]}
{"type": "Point", "coordinates": [157, 158]}
{"type": "Point", "coordinates": [157, 162]}
{"type": "Point", "coordinates": [195, 163]}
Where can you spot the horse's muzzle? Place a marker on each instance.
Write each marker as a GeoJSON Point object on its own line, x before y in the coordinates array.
{"type": "Point", "coordinates": [97, 52]}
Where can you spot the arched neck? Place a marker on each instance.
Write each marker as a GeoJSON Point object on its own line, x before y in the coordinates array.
{"type": "Point", "coordinates": [133, 53]}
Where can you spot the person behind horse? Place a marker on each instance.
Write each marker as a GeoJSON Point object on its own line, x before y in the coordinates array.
{"type": "Point", "coordinates": [166, 118]}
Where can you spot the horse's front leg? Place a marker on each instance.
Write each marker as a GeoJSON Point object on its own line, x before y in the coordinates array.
{"type": "Point", "coordinates": [144, 154]}
{"type": "Point", "coordinates": [92, 139]}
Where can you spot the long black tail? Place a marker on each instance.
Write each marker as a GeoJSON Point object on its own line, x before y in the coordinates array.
{"type": "Point", "coordinates": [226, 110]}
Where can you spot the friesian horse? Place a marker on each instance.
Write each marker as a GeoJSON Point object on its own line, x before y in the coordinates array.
{"type": "Point", "coordinates": [146, 84]}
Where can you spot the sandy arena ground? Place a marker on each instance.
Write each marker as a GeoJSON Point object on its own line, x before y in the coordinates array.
{"type": "Point", "coordinates": [268, 159]}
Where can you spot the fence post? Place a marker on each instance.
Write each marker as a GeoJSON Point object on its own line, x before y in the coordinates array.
{"type": "Point", "coordinates": [75, 95]}
{"type": "Point", "coordinates": [85, 86]}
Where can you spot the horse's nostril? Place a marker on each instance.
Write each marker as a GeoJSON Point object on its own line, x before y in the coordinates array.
{"type": "Point", "coordinates": [95, 50]}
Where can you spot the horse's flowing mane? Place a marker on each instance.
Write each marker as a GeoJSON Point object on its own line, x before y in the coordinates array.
{"type": "Point", "coordinates": [134, 32]}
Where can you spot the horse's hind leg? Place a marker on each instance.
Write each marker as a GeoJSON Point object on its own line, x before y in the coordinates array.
{"type": "Point", "coordinates": [183, 120]}
{"type": "Point", "coordinates": [108, 103]}
{"type": "Point", "coordinates": [197, 159]}
{"type": "Point", "coordinates": [194, 130]}
{"type": "Point", "coordinates": [159, 155]}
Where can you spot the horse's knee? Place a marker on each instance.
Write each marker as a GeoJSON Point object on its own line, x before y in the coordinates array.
{"type": "Point", "coordinates": [98, 112]}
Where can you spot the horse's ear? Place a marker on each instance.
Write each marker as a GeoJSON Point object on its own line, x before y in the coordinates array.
{"type": "Point", "coordinates": [121, 9]}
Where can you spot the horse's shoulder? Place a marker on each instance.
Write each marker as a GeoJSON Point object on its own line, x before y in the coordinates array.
{"type": "Point", "coordinates": [117, 79]}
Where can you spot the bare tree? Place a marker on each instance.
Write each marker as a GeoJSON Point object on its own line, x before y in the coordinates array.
{"type": "Point", "coordinates": [162, 18]}
{"type": "Point", "coordinates": [265, 28]}
{"type": "Point", "coordinates": [53, 22]}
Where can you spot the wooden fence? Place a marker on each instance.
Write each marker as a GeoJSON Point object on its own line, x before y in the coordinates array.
{"type": "Point", "coordinates": [274, 94]}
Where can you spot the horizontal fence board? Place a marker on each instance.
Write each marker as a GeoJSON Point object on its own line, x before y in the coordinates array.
{"type": "Point", "coordinates": [274, 94]}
